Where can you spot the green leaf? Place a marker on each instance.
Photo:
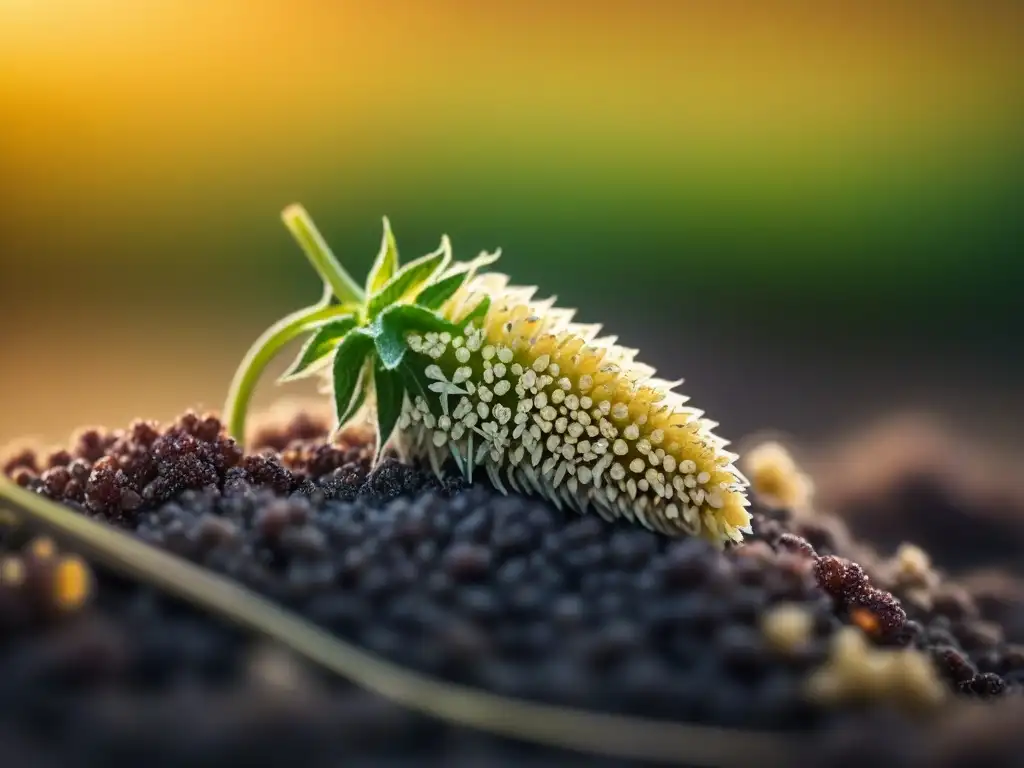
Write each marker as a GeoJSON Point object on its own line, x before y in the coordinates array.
{"type": "Point", "coordinates": [478, 312]}
{"type": "Point", "coordinates": [436, 294]}
{"type": "Point", "coordinates": [444, 287]}
{"type": "Point", "coordinates": [409, 278]}
{"type": "Point", "coordinates": [391, 327]}
{"type": "Point", "coordinates": [390, 389]}
{"type": "Point", "coordinates": [320, 345]}
{"type": "Point", "coordinates": [349, 374]}
{"type": "Point", "coordinates": [357, 402]}
{"type": "Point", "coordinates": [386, 263]}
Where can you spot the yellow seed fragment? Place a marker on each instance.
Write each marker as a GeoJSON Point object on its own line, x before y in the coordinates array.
{"type": "Point", "coordinates": [72, 583]}
{"type": "Point", "coordinates": [43, 548]}
{"type": "Point", "coordinates": [12, 571]}
{"type": "Point", "coordinates": [913, 566]}
{"type": "Point", "coordinates": [787, 627]}
{"type": "Point", "coordinates": [776, 479]}
{"type": "Point", "coordinates": [858, 672]}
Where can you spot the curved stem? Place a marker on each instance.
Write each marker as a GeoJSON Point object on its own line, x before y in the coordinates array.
{"type": "Point", "coordinates": [320, 256]}
{"type": "Point", "coordinates": [263, 351]}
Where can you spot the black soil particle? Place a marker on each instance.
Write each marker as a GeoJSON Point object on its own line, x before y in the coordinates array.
{"type": "Point", "coordinates": [500, 593]}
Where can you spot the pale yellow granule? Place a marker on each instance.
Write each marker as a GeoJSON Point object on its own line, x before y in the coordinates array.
{"type": "Point", "coordinates": [12, 571]}
{"type": "Point", "coordinates": [43, 548]}
{"type": "Point", "coordinates": [858, 672]}
{"type": "Point", "coordinates": [72, 583]}
{"type": "Point", "coordinates": [775, 478]}
{"type": "Point", "coordinates": [787, 627]}
{"type": "Point", "coordinates": [914, 567]}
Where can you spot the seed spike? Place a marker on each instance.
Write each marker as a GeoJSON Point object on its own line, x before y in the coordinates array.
{"type": "Point", "coordinates": [499, 380]}
{"type": "Point", "coordinates": [492, 472]}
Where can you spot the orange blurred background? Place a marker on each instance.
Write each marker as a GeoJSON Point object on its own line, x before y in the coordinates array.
{"type": "Point", "coordinates": [811, 212]}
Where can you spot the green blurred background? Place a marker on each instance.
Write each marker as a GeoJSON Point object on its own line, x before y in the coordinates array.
{"type": "Point", "coordinates": [812, 212]}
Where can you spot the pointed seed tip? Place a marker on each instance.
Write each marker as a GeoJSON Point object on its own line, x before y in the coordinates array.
{"type": "Point", "coordinates": [292, 211]}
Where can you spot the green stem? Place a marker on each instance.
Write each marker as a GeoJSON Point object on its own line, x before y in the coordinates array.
{"type": "Point", "coordinates": [608, 735]}
{"type": "Point", "coordinates": [320, 256]}
{"type": "Point", "coordinates": [263, 351]}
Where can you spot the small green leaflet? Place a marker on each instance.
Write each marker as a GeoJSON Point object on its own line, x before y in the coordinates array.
{"type": "Point", "coordinates": [357, 402]}
{"type": "Point", "coordinates": [409, 278]}
{"type": "Point", "coordinates": [386, 263]}
{"type": "Point", "coordinates": [390, 389]}
{"type": "Point", "coordinates": [349, 375]}
{"type": "Point", "coordinates": [436, 294]}
{"type": "Point", "coordinates": [320, 345]}
{"type": "Point", "coordinates": [390, 328]}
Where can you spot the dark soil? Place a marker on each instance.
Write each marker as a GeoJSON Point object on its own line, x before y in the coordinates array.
{"type": "Point", "coordinates": [912, 479]}
{"type": "Point", "coordinates": [501, 593]}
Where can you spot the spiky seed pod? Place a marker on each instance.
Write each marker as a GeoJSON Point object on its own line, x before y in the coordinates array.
{"type": "Point", "coordinates": [545, 406]}
{"type": "Point", "coordinates": [462, 365]}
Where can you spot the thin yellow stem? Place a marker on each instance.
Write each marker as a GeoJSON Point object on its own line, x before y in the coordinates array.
{"type": "Point", "coordinates": [320, 255]}
{"type": "Point", "coordinates": [263, 351]}
{"type": "Point", "coordinates": [338, 284]}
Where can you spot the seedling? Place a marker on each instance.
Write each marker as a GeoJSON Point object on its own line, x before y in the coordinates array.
{"type": "Point", "coordinates": [452, 362]}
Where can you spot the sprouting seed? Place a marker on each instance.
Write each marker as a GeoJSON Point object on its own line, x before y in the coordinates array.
{"type": "Point", "coordinates": [456, 364]}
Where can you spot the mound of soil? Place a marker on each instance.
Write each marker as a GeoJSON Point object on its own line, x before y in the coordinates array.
{"type": "Point", "coordinates": [501, 593]}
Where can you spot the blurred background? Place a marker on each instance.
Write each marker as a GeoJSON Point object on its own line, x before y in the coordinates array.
{"type": "Point", "coordinates": [812, 213]}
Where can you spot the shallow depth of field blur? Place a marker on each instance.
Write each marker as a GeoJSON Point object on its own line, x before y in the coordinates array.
{"type": "Point", "coordinates": [812, 214]}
